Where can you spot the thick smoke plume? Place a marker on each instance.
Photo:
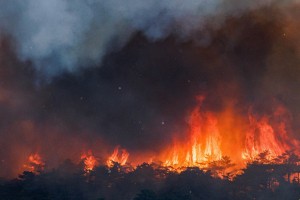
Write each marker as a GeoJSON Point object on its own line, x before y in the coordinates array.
{"type": "Point", "coordinates": [142, 63]}
{"type": "Point", "coordinates": [64, 35]}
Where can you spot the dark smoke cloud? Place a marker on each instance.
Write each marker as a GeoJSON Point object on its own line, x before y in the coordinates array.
{"type": "Point", "coordinates": [142, 66]}
{"type": "Point", "coordinates": [64, 35]}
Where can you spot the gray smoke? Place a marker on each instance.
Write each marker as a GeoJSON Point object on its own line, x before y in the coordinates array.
{"type": "Point", "coordinates": [65, 35]}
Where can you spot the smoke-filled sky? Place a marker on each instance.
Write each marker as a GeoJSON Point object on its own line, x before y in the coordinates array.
{"type": "Point", "coordinates": [87, 74]}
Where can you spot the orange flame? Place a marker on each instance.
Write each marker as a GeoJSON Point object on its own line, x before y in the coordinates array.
{"type": "Point", "coordinates": [35, 163]}
{"type": "Point", "coordinates": [263, 137]}
{"type": "Point", "coordinates": [204, 143]}
{"type": "Point", "coordinates": [89, 160]}
{"type": "Point", "coordinates": [211, 136]}
{"type": "Point", "coordinates": [117, 156]}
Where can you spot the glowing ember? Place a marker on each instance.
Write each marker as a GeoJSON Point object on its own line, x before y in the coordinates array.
{"type": "Point", "coordinates": [89, 160]}
{"type": "Point", "coordinates": [35, 163]}
{"type": "Point", "coordinates": [119, 156]}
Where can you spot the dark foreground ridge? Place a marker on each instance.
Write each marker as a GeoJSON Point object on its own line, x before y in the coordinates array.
{"type": "Point", "coordinates": [261, 179]}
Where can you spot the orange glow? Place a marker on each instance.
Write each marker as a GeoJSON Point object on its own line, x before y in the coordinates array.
{"type": "Point", "coordinates": [213, 135]}
{"type": "Point", "coordinates": [119, 156]}
{"type": "Point", "coordinates": [225, 138]}
{"type": "Point", "coordinates": [264, 137]}
{"type": "Point", "coordinates": [34, 164]}
{"type": "Point", "coordinates": [204, 143]}
{"type": "Point", "coordinates": [261, 137]}
{"type": "Point", "coordinates": [89, 160]}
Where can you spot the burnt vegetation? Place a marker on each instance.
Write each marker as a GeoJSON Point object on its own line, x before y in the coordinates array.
{"type": "Point", "coordinates": [263, 178]}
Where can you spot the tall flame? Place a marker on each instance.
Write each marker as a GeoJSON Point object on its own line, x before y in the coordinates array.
{"type": "Point", "coordinates": [203, 145]}
{"type": "Point", "coordinates": [119, 155]}
{"type": "Point", "coordinates": [211, 136]}
{"type": "Point", "coordinates": [89, 160]}
{"type": "Point", "coordinates": [263, 137]}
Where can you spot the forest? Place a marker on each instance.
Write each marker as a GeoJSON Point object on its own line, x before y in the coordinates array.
{"type": "Point", "coordinates": [261, 179]}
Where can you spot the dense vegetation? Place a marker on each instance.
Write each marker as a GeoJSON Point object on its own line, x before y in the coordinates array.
{"type": "Point", "coordinates": [262, 179]}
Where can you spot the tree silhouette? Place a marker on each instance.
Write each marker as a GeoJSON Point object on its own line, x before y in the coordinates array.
{"type": "Point", "coordinates": [259, 180]}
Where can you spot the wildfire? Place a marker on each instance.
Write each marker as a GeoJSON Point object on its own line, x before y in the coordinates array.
{"type": "Point", "coordinates": [89, 161]}
{"type": "Point", "coordinates": [212, 139]}
{"type": "Point", "coordinates": [263, 137]}
{"type": "Point", "coordinates": [211, 136]}
{"type": "Point", "coordinates": [35, 163]}
{"type": "Point", "coordinates": [265, 140]}
{"type": "Point", "coordinates": [204, 143]}
{"type": "Point", "coordinates": [119, 156]}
